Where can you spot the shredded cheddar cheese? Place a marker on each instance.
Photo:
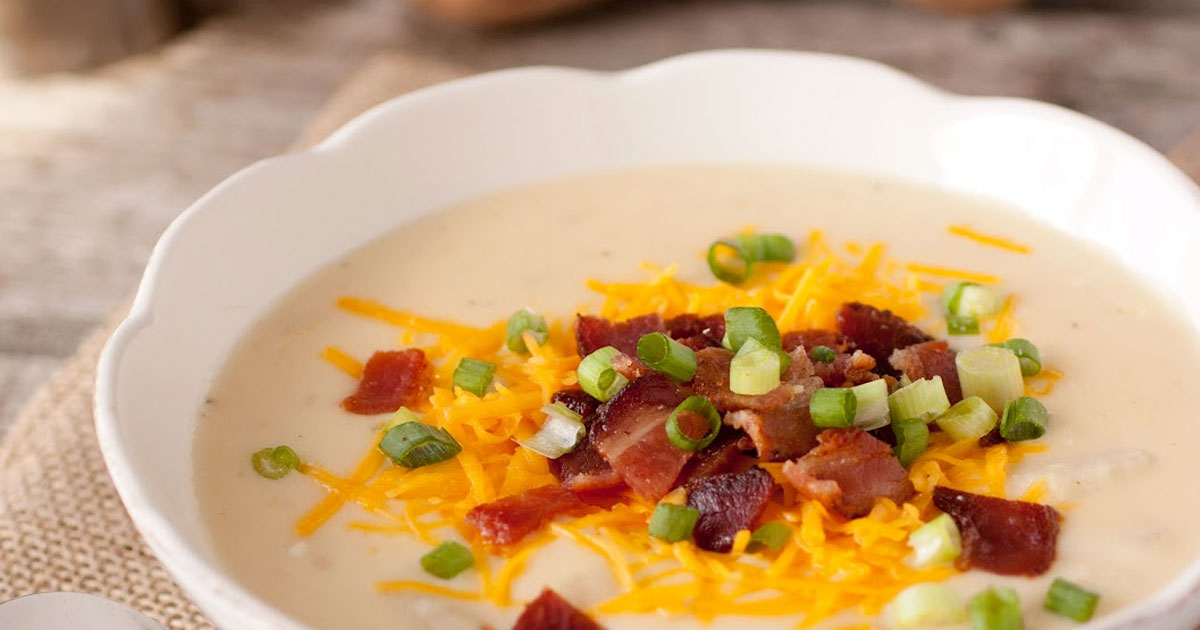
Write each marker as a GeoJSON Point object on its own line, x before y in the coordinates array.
{"type": "Point", "coordinates": [988, 239]}
{"type": "Point", "coordinates": [829, 565]}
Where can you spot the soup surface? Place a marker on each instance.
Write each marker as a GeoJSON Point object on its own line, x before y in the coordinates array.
{"type": "Point", "coordinates": [1116, 446]}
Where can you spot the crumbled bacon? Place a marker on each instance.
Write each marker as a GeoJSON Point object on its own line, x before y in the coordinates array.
{"type": "Point", "coordinates": [848, 471]}
{"type": "Point", "coordinates": [629, 367]}
{"type": "Point", "coordinates": [810, 339]}
{"type": "Point", "coordinates": [1001, 536]}
{"type": "Point", "coordinates": [784, 432]}
{"type": "Point", "coordinates": [578, 401]}
{"type": "Point", "coordinates": [631, 434]}
{"type": "Point", "coordinates": [551, 612]}
{"type": "Point", "coordinates": [506, 521]}
{"type": "Point", "coordinates": [697, 332]}
{"type": "Point", "coordinates": [390, 380]}
{"type": "Point", "coordinates": [877, 332]}
{"type": "Point", "coordinates": [927, 360]}
{"type": "Point", "coordinates": [722, 456]}
{"type": "Point", "coordinates": [850, 366]}
{"type": "Point", "coordinates": [991, 438]}
{"type": "Point", "coordinates": [712, 382]}
{"type": "Point", "coordinates": [728, 504]}
{"type": "Point", "coordinates": [585, 469]}
{"type": "Point", "coordinates": [593, 333]}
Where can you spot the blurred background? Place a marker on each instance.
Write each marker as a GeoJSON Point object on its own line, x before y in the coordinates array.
{"type": "Point", "coordinates": [116, 114]}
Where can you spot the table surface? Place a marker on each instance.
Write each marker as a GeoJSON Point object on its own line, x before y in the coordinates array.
{"type": "Point", "coordinates": [94, 166]}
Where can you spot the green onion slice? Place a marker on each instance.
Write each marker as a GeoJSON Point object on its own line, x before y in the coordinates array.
{"type": "Point", "coordinates": [926, 605]}
{"type": "Point", "coordinates": [663, 354]}
{"type": "Point", "coordinates": [597, 376]}
{"type": "Point", "coordinates": [923, 398]}
{"type": "Point", "coordinates": [912, 438]}
{"type": "Point", "coordinates": [823, 354]}
{"type": "Point", "coordinates": [474, 376]}
{"type": "Point", "coordinates": [1027, 355]}
{"type": "Point", "coordinates": [997, 608]}
{"type": "Point", "coordinates": [768, 247]}
{"type": "Point", "coordinates": [833, 407]}
{"type": "Point", "coordinates": [872, 405]}
{"type": "Point", "coordinates": [774, 536]}
{"type": "Point", "coordinates": [447, 560]}
{"type": "Point", "coordinates": [415, 444]}
{"type": "Point", "coordinates": [275, 463]}
{"type": "Point", "coordinates": [524, 321]}
{"type": "Point", "coordinates": [936, 543]}
{"type": "Point", "coordinates": [1024, 419]}
{"type": "Point", "coordinates": [751, 322]}
{"type": "Point", "coordinates": [673, 523]}
{"type": "Point", "coordinates": [993, 374]}
{"type": "Point", "coordinates": [562, 431]}
{"type": "Point", "coordinates": [731, 259]}
{"type": "Point", "coordinates": [1071, 600]}
{"type": "Point", "coordinates": [754, 370]}
{"type": "Point", "coordinates": [402, 415]}
{"type": "Point", "coordinates": [698, 405]}
{"type": "Point", "coordinates": [969, 419]}
{"type": "Point", "coordinates": [962, 325]}
{"type": "Point", "coordinates": [971, 299]}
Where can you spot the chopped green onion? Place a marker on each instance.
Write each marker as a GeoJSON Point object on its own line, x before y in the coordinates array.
{"type": "Point", "coordinates": [993, 374]}
{"type": "Point", "coordinates": [997, 608]}
{"type": "Point", "coordinates": [525, 321]}
{"type": "Point", "coordinates": [754, 370]}
{"type": "Point", "coordinates": [275, 463]}
{"type": "Point", "coordinates": [962, 325]}
{"type": "Point", "coordinates": [447, 560]}
{"type": "Point", "coordinates": [1024, 419]}
{"type": "Point", "coordinates": [823, 354]}
{"type": "Point", "coordinates": [673, 523]}
{"type": "Point", "coordinates": [872, 405]}
{"type": "Point", "coordinates": [969, 419]}
{"type": "Point", "coordinates": [971, 299]}
{"type": "Point", "coordinates": [415, 444]}
{"type": "Point", "coordinates": [912, 438]}
{"type": "Point", "coordinates": [923, 398]}
{"type": "Point", "coordinates": [1070, 600]}
{"type": "Point", "coordinates": [402, 415]}
{"type": "Point", "coordinates": [731, 259]}
{"type": "Point", "coordinates": [751, 322]}
{"type": "Point", "coordinates": [559, 434]}
{"type": "Point", "coordinates": [833, 407]}
{"type": "Point", "coordinates": [697, 405]}
{"type": "Point", "coordinates": [935, 543]}
{"type": "Point", "coordinates": [925, 605]}
{"type": "Point", "coordinates": [597, 376]}
{"type": "Point", "coordinates": [663, 354]}
{"type": "Point", "coordinates": [473, 375]}
{"type": "Point", "coordinates": [1027, 354]}
{"type": "Point", "coordinates": [774, 536]}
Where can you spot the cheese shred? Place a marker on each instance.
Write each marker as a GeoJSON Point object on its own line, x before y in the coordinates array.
{"type": "Point", "coordinates": [829, 565]}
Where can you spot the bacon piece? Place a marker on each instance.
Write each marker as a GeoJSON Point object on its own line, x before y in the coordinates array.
{"type": "Point", "coordinates": [728, 504]}
{"type": "Point", "coordinates": [850, 366]}
{"type": "Point", "coordinates": [722, 456]}
{"type": "Point", "coordinates": [784, 432]}
{"type": "Point", "coordinates": [697, 332]}
{"type": "Point", "coordinates": [585, 469]}
{"type": "Point", "coordinates": [631, 434]}
{"type": "Point", "coordinates": [629, 367]}
{"type": "Point", "coordinates": [991, 438]}
{"type": "Point", "coordinates": [847, 471]}
{"type": "Point", "coordinates": [578, 401]}
{"type": "Point", "coordinates": [593, 333]}
{"type": "Point", "coordinates": [508, 520]}
{"type": "Point", "coordinates": [877, 332]}
{"type": "Point", "coordinates": [551, 612]}
{"type": "Point", "coordinates": [712, 382]}
{"type": "Point", "coordinates": [810, 339]}
{"type": "Point", "coordinates": [391, 379]}
{"type": "Point", "coordinates": [927, 360]}
{"type": "Point", "coordinates": [1001, 536]}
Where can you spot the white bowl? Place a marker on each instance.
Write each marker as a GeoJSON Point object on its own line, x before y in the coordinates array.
{"type": "Point", "coordinates": [243, 245]}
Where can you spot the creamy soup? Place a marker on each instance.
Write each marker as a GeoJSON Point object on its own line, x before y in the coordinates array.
{"type": "Point", "coordinates": [1116, 444]}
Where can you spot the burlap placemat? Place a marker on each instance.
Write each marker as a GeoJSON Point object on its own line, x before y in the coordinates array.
{"type": "Point", "coordinates": [62, 527]}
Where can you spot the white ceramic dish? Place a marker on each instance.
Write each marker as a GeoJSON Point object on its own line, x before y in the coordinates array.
{"type": "Point", "coordinates": [243, 245]}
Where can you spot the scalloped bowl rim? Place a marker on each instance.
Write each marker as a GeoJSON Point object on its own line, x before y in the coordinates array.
{"type": "Point", "coordinates": [214, 591]}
